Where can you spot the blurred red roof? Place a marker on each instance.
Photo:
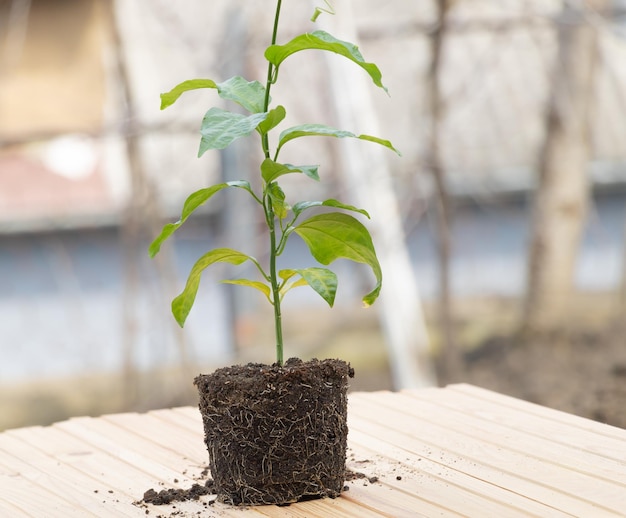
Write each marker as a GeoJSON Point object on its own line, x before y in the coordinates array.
{"type": "Point", "coordinates": [35, 197]}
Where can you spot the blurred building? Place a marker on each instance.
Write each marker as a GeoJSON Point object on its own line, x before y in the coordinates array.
{"type": "Point", "coordinates": [52, 96]}
{"type": "Point", "coordinates": [89, 166]}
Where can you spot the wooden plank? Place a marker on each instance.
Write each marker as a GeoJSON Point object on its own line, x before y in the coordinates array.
{"type": "Point", "coordinates": [119, 428]}
{"type": "Point", "coordinates": [116, 481]}
{"type": "Point", "coordinates": [337, 508]}
{"type": "Point", "coordinates": [604, 452]}
{"type": "Point", "coordinates": [527, 407]}
{"type": "Point", "coordinates": [95, 473]}
{"type": "Point", "coordinates": [476, 456]}
{"type": "Point", "coordinates": [8, 508]}
{"type": "Point", "coordinates": [438, 483]}
{"type": "Point", "coordinates": [94, 433]}
{"type": "Point", "coordinates": [191, 413]}
{"type": "Point", "coordinates": [181, 440]}
{"type": "Point", "coordinates": [109, 477]}
{"type": "Point", "coordinates": [434, 481]}
{"type": "Point", "coordinates": [395, 505]}
{"type": "Point", "coordinates": [459, 451]}
{"type": "Point", "coordinates": [152, 457]}
{"type": "Point", "coordinates": [406, 488]}
{"type": "Point", "coordinates": [32, 498]}
{"type": "Point", "coordinates": [23, 498]}
{"type": "Point", "coordinates": [104, 435]}
{"type": "Point", "coordinates": [568, 456]}
{"type": "Point", "coordinates": [115, 431]}
{"type": "Point", "coordinates": [194, 423]}
{"type": "Point", "coordinates": [399, 502]}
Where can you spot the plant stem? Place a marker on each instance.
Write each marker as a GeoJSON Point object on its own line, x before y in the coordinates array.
{"type": "Point", "coordinates": [269, 80]}
{"type": "Point", "coordinates": [275, 293]}
{"type": "Point", "coordinates": [269, 211]}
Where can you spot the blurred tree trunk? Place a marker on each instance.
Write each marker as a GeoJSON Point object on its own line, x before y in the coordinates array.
{"type": "Point", "coordinates": [235, 217]}
{"type": "Point", "coordinates": [400, 306]}
{"type": "Point", "coordinates": [562, 195]}
{"type": "Point", "coordinates": [620, 307]}
{"type": "Point", "coordinates": [140, 224]}
{"type": "Point", "coordinates": [450, 352]}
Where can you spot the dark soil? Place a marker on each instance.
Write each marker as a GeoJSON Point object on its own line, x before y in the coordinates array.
{"type": "Point", "coordinates": [276, 435]}
{"type": "Point", "coordinates": [167, 496]}
{"type": "Point", "coordinates": [172, 495]}
{"type": "Point", "coordinates": [580, 372]}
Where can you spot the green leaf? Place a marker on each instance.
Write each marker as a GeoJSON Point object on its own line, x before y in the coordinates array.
{"type": "Point", "coordinates": [274, 118]}
{"type": "Point", "coordinates": [382, 142]}
{"type": "Point", "coordinates": [323, 281]}
{"type": "Point", "coordinates": [337, 235]}
{"type": "Point", "coordinates": [307, 170]}
{"type": "Point", "coordinates": [285, 275]}
{"type": "Point", "coordinates": [262, 287]}
{"type": "Point", "coordinates": [321, 130]}
{"type": "Point", "coordinates": [194, 201]}
{"type": "Point", "coordinates": [301, 206]}
{"type": "Point", "coordinates": [311, 130]}
{"type": "Point", "coordinates": [277, 197]}
{"type": "Point", "coordinates": [220, 128]}
{"type": "Point", "coordinates": [321, 40]}
{"type": "Point", "coordinates": [169, 98]}
{"type": "Point", "coordinates": [182, 304]}
{"type": "Point", "coordinates": [248, 94]}
{"type": "Point", "coordinates": [296, 284]}
{"type": "Point", "coordinates": [271, 170]}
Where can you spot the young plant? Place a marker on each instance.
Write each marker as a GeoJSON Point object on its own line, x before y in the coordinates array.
{"type": "Point", "coordinates": [329, 236]}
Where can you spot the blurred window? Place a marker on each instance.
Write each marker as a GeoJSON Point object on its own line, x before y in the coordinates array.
{"type": "Point", "coordinates": [52, 76]}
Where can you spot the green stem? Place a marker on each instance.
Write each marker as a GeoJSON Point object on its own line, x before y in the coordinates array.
{"type": "Point", "coordinates": [269, 211]}
{"type": "Point", "coordinates": [275, 293]}
{"type": "Point", "coordinates": [269, 80]}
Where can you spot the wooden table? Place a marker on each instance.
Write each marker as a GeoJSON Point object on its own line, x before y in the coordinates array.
{"type": "Point", "coordinates": [456, 451]}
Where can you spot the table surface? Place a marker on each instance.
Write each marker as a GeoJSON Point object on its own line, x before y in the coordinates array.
{"type": "Point", "coordinates": [454, 451]}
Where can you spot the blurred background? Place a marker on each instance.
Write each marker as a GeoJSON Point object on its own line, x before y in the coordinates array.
{"type": "Point", "coordinates": [500, 230]}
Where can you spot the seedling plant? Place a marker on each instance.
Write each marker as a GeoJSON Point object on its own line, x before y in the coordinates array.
{"type": "Point", "coordinates": [330, 235]}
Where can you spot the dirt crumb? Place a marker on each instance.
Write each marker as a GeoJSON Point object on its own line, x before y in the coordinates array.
{"type": "Point", "coordinates": [167, 496]}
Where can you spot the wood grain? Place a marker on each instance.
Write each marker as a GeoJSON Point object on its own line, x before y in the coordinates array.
{"type": "Point", "coordinates": [454, 451]}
